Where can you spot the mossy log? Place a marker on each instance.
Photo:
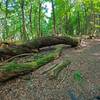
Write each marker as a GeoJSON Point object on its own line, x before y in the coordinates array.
{"type": "Point", "coordinates": [14, 69]}
{"type": "Point", "coordinates": [36, 44]}
{"type": "Point", "coordinates": [54, 72]}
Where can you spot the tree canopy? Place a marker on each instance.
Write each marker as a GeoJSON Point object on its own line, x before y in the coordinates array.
{"type": "Point", "coordinates": [27, 19]}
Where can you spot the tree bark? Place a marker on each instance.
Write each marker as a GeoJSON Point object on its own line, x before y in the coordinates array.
{"type": "Point", "coordinates": [30, 17]}
{"type": "Point", "coordinates": [54, 19]}
{"type": "Point", "coordinates": [78, 23]}
{"type": "Point", "coordinates": [24, 37]}
{"type": "Point", "coordinates": [54, 72]}
{"type": "Point", "coordinates": [92, 16]}
{"type": "Point", "coordinates": [39, 25]}
{"type": "Point", "coordinates": [6, 17]}
{"type": "Point", "coordinates": [14, 69]}
{"type": "Point", "coordinates": [36, 44]}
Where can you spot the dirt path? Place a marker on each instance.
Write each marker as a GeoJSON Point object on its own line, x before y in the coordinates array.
{"type": "Point", "coordinates": [37, 86]}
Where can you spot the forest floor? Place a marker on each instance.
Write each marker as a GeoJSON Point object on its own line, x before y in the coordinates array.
{"type": "Point", "coordinates": [37, 86]}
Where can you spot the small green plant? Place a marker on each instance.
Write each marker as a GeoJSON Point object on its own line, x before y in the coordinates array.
{"type": "Point", "coordinates": [78, 76]}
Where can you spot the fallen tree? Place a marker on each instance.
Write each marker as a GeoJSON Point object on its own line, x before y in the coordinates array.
{"type": "Point", "coordinates": [36, 44]}
{"type": "Point", "coordinates": [14, 69]}
{"type": "Point", "coordinates": [57, 68]}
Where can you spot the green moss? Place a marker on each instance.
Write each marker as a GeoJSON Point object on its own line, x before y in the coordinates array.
{"type": "Point", "coordinates": [45, 60]}
{"type": "Point", "coordinates": [15, 67]}
{"type": "Point", "coordinates": [18, 67]}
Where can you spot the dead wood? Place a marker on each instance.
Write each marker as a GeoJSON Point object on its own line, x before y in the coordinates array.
{"type": "Point", "coordinates": [35, 45]}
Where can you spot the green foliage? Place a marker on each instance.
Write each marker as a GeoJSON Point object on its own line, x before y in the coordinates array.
{"type": "Point", "coordinates": [78, 76]}
{"type": "Point", "coordinates": [15, 67]}
{"type": "Point", "coordinates": [45, 59]}
{"type": "Point", "coordinates": [72, 17]}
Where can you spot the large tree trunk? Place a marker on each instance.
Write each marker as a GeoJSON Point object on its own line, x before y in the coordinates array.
{"type": "Point", "coordinates": [14, 69]}
{"type": "Point", "coordinates": [30, 17]}
{"type": "Point", "coordinates": [36, 44]}
{"type": "Point", "coordinates": [57, 68]}
{"type": "Point", "coordinates": [39, 26]}
{"type": "Point", "coordinates": [54, 18]}
{"type": "Point", "coordinates": [6, 17]}
{"type": "Point", "coordinates": [78, 23]}
{"type": "Point", "coordinates": [24, 36]}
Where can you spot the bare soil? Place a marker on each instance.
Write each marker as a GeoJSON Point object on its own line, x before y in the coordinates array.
{"type": "Point", "coordinates": [37, 86]}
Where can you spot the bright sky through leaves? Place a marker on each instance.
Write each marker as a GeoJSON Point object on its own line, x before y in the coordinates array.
{"type": "Point", "coordinates": [48, 7]}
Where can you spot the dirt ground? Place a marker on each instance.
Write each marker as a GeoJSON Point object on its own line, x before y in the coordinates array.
{"type": "Point", "coordinates": [37, 86]}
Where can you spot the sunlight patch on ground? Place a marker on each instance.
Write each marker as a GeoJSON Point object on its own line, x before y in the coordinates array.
{"type": "Point", "coordinates": [97, 40]}
{"type": "Point", "coordinates": [96, 54]}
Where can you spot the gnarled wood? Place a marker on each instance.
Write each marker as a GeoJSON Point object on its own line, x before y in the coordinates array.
{"type": "Point", "coordinates": [30, 46]}
{"type": "Point", "coordinates": [54, 72]}
{"type": "Point", "coordinates": [14, 69]}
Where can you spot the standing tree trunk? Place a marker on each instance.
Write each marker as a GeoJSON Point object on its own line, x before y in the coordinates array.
{"type": "Point", "coordinates": [6, 15]}
{"type": "Point", "coordinates": [54, 19]}
{"type": "Point", "coordinates": [35, 23]}
{"type": "Point", "coordinates": [78, 23]}
{"type": "Point", "coordinates": [30, 17]}
{"type": "Point", "coordinates": [86, 22]}
{"type": "Point", "coordinates": [24, 36]}
{"type": "Point", "coordinates": [20, 26]}
{"type": "Point", "coordinates": [66, 23]}
{"type": "Point", "coordinates": [92, 17]}
{"type": "Point", "coordinates": [60, 26]}
{"type": "Point", "coordinates": [39, 27]}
